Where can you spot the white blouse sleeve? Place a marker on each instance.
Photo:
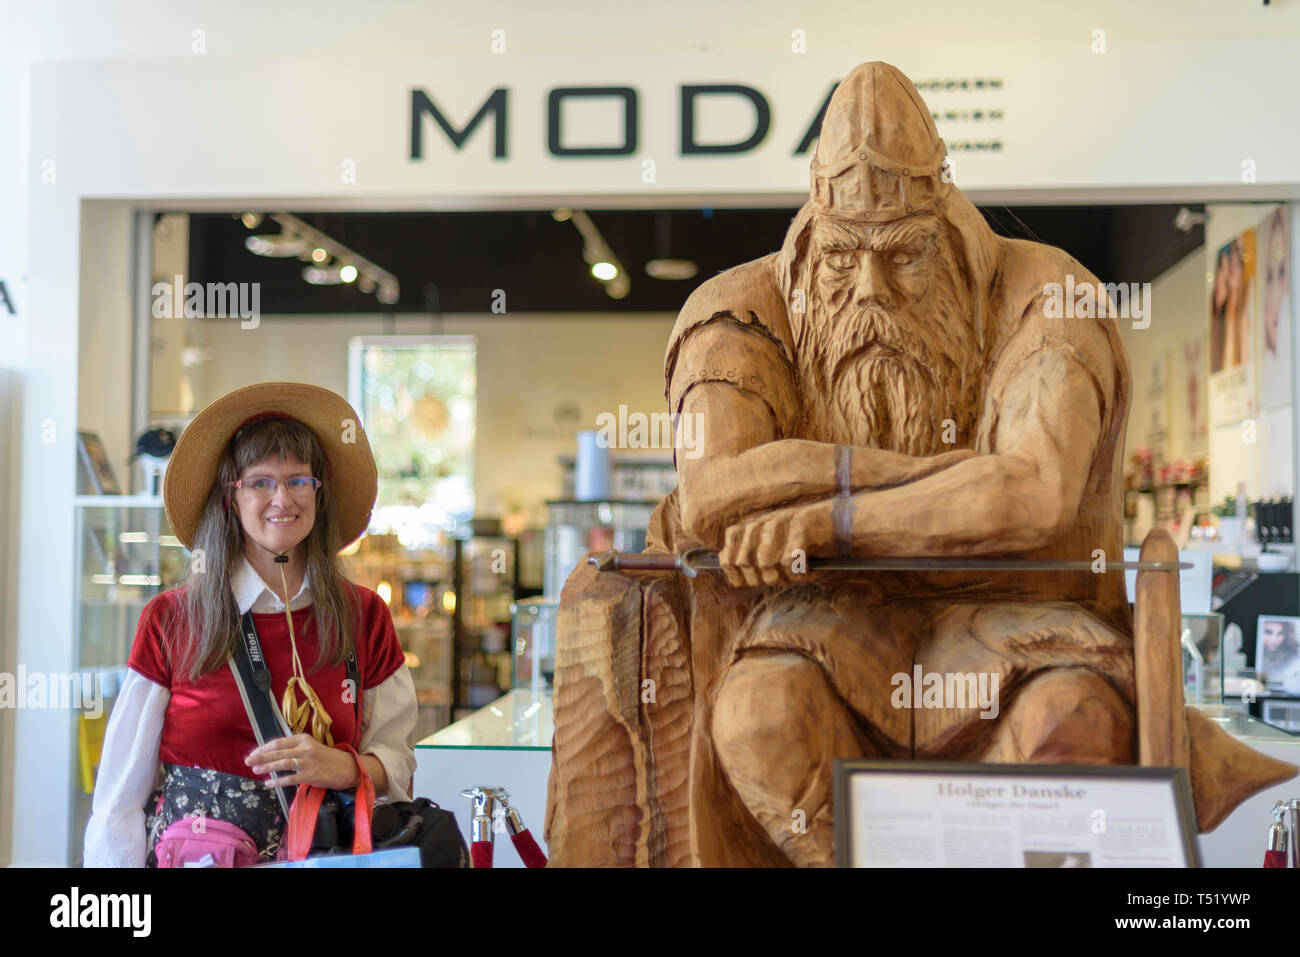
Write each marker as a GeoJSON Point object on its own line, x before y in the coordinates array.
{"type": "Point", "coordinates": [128, 769]}
{"type": "Point", "coordinates": [388, 716]}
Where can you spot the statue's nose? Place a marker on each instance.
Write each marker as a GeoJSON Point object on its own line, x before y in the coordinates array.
{"type": "Point", "coordinates": [872, 287]}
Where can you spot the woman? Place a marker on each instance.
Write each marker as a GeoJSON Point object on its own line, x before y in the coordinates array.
{"type": "Point", "coordinates": [1279, 652]}
{"type": "Point", "coordinates": [265, 487]}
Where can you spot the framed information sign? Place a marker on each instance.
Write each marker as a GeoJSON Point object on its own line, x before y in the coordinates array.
{"type": "Point", "coordinates": [919, 814]}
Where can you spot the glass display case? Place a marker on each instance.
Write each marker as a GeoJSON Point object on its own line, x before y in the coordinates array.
{"type": "Point", "coordinates": [483, 571]}
{"type": "Point", "coordinates": [1203, 658]}
{"type": "Point", "coordinates": [631, 478]}
{"type": "Point", "coordinates": [417, 584]}
{"type": "Point", "coordinates": [533, 644]}
{"type": "Point", "coordinates": [126, 554]}
{"type": "Point", "coordinates": [575, 528]}
{"type": "Point", "coordinates": [507, 744]}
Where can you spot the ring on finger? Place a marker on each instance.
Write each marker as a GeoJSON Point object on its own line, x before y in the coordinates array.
{"type": "Point", "coordinates": [295, 764]}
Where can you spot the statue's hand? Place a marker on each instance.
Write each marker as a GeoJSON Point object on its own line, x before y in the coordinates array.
{"type": "Point", "coordinates": [774, 547]}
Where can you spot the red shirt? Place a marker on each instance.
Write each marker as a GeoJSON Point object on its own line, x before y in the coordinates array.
{"type": "Point", "coordinates": [206, 726]}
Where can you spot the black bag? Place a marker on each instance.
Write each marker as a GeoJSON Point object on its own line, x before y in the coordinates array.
{"type": "Point", "coordinates": [396, 824]}
{"type": "Point", "coordinates": [420, 823]}
{"type": "Point", "coordinates": [423, 824]}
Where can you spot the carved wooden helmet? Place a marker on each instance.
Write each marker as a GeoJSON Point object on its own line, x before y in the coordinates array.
{"type": "Point", "coordinates": [879, 157]}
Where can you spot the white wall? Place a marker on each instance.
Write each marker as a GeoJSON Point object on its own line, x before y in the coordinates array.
{"type": "Point", "coordinates": [1178, 319]}
{"type": "Point", "coordinates": [10, 423]}
{"type": "Point", "coordinates": [106, 327]}
{"type": "Point", "coordinates": [528, 365]}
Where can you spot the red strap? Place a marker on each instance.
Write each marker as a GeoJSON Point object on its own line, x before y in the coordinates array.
{"type": "Point", "coordinates": [306, 810]}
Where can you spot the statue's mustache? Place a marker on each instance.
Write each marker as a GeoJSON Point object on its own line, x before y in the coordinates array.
{"type": "Point", "coordinates": [873, 328]}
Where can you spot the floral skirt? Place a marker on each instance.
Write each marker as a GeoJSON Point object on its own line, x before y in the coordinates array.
{"type": "Point", "coordinates": [244, 802]}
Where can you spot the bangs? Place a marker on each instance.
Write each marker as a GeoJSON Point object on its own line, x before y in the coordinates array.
{"type": "Point", "coordinates": [278, 438]}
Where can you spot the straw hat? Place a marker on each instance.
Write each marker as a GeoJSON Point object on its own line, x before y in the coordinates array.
{"type": "Point", "coordinates": [192, 468]}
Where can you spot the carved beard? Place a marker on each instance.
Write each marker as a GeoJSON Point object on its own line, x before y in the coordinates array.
{"type": "Point", "coordinates": [892, 377]}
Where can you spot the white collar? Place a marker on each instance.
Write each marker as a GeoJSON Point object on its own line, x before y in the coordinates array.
{"type": "Point", "coordinates": [252, 593]}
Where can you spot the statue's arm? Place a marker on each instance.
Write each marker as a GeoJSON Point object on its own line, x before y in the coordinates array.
{"type": "Point", "coordinates": [740, 466]}
{"type": "Point", "coordinates": [1021, 496]}
{"type": "Point", "coordinates": [1017, 498]}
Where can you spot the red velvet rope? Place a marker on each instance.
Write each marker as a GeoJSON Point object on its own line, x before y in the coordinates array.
{"type": "Point", "coordinates": [1275, 858]}
{"type": "Point", "coordinates": [529, 852]}
{"type": "Point", "coordinates": [480, 854]}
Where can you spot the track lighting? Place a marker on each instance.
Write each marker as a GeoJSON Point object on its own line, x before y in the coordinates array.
{"type": "Point", "coordinates": [330, 262]}
{"type": "Point", "coordinates": [597, 253]}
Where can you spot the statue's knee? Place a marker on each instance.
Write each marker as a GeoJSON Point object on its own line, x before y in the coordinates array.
{"type": "Point", "coordinates": [1073, 716]}
{"type": "Point", "coordinates": [768, 702]}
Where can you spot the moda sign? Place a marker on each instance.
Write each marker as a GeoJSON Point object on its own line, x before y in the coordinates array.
{"type": "Point", "coordinates": [625, 136]}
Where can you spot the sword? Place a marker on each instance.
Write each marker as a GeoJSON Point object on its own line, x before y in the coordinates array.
{"type": "Point", "coordinates": [695, 560]}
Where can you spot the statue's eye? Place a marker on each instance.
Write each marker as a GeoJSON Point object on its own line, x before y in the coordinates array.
{"type": "Point", "coordinates": [840, 259]}
{"type": "Point", "coordinates": [902, 259]}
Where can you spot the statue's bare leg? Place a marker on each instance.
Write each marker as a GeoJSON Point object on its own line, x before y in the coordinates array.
{"type": "Point", "coordinates": [778, 727]}
{"type": "Point", "coordinates": [1065, 716]}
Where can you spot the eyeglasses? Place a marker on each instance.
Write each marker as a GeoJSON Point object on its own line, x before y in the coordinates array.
{"type": "Point", "coordinates": [299, 486]}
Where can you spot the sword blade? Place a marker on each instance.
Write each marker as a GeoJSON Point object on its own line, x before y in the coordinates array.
{"type": "Point", "coordinates": [705, 560]}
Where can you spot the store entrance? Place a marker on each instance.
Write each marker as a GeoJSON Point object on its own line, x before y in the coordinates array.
{"type": "Point", "coordinates": [483, 350]}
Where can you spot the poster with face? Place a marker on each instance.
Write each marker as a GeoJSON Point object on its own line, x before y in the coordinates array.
{"type": "Point", "coordinates": [1232, 353]}
{"type": "Point", "coordinates": [1275, 310]}
{"type": "Point", "coordinates": [1277, 652]}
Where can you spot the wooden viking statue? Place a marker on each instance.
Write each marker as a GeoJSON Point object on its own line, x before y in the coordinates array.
{"type": "Point", "coordinates": [888, 385]}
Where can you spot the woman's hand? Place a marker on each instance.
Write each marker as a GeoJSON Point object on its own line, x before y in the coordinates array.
{"type": "Point", "coordinates": [306, 761]}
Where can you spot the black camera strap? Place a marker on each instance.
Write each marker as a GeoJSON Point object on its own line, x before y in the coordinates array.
{"type": "Point", "coordinates": [253, 679]}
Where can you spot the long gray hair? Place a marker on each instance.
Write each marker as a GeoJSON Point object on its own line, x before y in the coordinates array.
{"type": "Point", "coordinates": [209, 615]}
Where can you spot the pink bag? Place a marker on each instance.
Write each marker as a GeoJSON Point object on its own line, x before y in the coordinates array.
{"type": "Point", "coordinates": [199, 841]}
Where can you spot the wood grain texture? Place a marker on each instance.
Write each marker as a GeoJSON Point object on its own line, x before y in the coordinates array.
{"type": "Point", "coordinates": [896, 381]}
{"type": "Point", "coordinates": [596, 811]}
{"type": "Point", "coordinates": [1225, 772]}
{"type": "Point", "coordinates": [1158, 659]}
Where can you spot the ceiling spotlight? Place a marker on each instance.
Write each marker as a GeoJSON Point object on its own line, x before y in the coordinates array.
{"type": "Point", "coordinates": [251, 220]}
{"type": "Point", "coordinates": [562, 215]}
{"type": "Point", "coordinates": [322, 275]}
{"type": "Point", "coordinates": [671, 268]}
{"type": "Point", "coordinates": [278, 245]}
{"type": "Point", "coordinates": [389, 293]}
{"type": "Point", "coordinates": [366, 285]}
{"type": "Point", "coordinates": [319, 255]}
{"type": "Point", "coordinates": [598, 254]}
{"type": "Point", "coordinates": [348, 273]}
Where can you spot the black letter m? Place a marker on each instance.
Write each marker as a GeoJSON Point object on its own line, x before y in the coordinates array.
{"type": "Point", "coordinates": [495, 104]}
